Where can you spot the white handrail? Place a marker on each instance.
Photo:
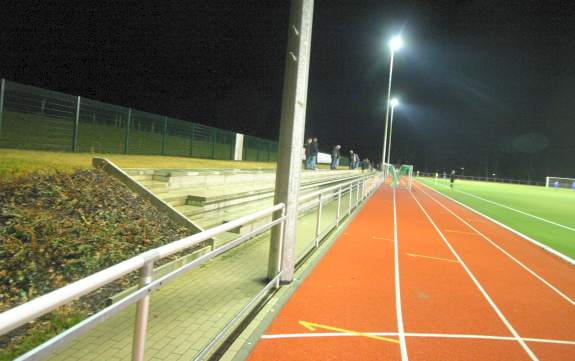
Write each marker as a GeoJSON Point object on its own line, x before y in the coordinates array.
{"type": "Point", "coordinates": [39, 306]}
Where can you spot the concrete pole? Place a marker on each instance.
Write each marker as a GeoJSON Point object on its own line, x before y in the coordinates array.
{"type": "Point", "coordinates": [292, 129]}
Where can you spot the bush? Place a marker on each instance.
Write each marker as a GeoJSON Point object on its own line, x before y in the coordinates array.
{"type": "Point", "coordinates": [56, 229]}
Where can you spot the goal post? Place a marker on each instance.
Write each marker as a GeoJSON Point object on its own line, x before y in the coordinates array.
{"type": "Point", "coordinates": [559, 182]}
{"type": "Point", "coordinates": [401, 177]}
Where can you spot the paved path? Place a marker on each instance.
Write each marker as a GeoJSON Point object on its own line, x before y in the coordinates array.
{"type": "Point", "coordinates": [187, 313]}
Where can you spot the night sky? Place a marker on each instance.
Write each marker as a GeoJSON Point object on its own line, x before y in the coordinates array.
{"type": "Point", "coordinates": [485, 85]}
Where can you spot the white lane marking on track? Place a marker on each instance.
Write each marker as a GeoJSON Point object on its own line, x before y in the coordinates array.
{"type": "Point", "coordinates": [400, 329]}
{"type": "Point", "coordinates": [516, 210]}
{"type": "Point", "coordinates": [481, 289]}
{"type": "Point", "coordinates": [414, 334]}
{"type": "Point", "coordinates": [533, 273]}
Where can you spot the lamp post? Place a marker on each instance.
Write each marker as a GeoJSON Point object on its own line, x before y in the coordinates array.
{"type": "Point", "coordinates": [394, 102]}
{"type": "Point", "coordinates": [394, 44]}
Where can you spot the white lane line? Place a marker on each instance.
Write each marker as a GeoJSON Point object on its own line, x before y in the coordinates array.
{"type": "Point", "coordinates": [487, 297]}
{"type": "Point", "coordinates": [533, 273]}
{"type": "Point", "coordinates": [414, 334]}
{"type": "Point", "coordinates": [525, 237]}
{"type": "Point", "coordinates": [517, 210]}
{"type": "Point", "coordinates": [400, 329]}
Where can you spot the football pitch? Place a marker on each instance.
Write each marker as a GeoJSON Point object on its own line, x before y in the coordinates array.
{"type": "Point", "coordinates": [546, 215]}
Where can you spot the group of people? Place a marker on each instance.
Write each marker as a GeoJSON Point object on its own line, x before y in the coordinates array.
{"type": "Point", "coordinates": [311, 148]}
{"type": "Point", "coordinates": [311, 151]}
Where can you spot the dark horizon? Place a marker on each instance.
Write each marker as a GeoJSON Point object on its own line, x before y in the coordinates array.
{"type": "Point", "coordinates": [484, 85]}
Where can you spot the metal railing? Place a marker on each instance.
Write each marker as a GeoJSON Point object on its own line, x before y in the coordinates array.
{"type": "Point", "coordinates": [363, 186]}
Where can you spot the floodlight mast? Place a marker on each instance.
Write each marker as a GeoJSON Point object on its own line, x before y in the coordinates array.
{"type": "Point", "coordinates": [292, 127]}
{"type": "Point", "coordinates": [394, 102]}
{"type": "Point", "coordinates": [394, 44]}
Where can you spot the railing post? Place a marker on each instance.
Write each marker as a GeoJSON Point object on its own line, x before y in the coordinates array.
{"type": "Point", "coordinates": [281, 241]}
{"type": "Point", "coordinates": [357, 194]}
{"type": "Point", "coordinates": [127, 133]}
{"type": "Point", "coordinates": [164, 135]}
{"type": "Point", "coordinates": [318, 223]}
{"type": "Point", "coordinates": [2, 91]}
{"type": "Point", "coordinates": [349, 206]}
{"type": "Point", "coordinates": [338, 206]}
{"type": "Point", "coordinates": [76, 126]}
{"type": "Point", "coordinates": [142, 313]}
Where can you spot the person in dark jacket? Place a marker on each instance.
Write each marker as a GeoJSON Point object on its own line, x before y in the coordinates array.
{"type": "Point", "coordinates": [308, 160]}
{"type": "Point", "coordinates": [314, 151]}
{"type": "Point", "coordinates": [335, 157]}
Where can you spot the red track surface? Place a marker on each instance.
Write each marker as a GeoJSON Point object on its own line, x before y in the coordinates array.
{"type": "Point", "coordinates": [457, 291]}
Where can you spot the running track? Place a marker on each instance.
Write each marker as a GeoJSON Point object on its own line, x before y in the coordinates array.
{"type": "Point", "coordinates": [416, 276]}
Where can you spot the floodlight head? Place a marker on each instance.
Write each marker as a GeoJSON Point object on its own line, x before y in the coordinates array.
{"type": "Point", "coordinates": [395, 43]}
{"type": "Point", "coordinates": [394, 102]}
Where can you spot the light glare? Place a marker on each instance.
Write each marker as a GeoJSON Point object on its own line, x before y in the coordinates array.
{"type": "Point", "coordinates": [394, 102]}
{"type": "Point", "coordinates": [395, 43]}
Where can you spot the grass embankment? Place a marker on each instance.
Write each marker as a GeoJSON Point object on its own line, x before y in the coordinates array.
{"type": "Point", "coordinates": [555, 205]}
{"type": "Point", "coordinates": [59, 228]}
{"type": "Point", "coordinates": [14, 163]}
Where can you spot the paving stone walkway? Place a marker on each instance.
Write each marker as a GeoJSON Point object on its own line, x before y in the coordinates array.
{"type": "Point", "coordinates": [188, 312]}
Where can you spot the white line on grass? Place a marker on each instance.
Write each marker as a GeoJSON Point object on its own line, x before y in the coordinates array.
{"type": "Point", "coordinates": [516, 210]}
{"type": "Point", "coordinates": [535, 242]}
{"type": "Point", "coordinates": [567, 298]}
{"type": "Point", "coordinates": [400, 329]}
{"type": "Point", "coordinates": [487, 297]}
{"type": "Point", "coordinates": [413, 334]}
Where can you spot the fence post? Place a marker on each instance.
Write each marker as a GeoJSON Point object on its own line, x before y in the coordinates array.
{"type": "Point", "coordinates": [127, 133]}
{"type": "Point", "coordinates": [192, 139]}
{"type": "Point", "coordinates": [2, 90]}
{"type": "Point", "coordinates": [164, 135]}
{"type": "Point", "coordinates": [214, 137]}
{"type": "Point", "coordinates": [142, 313]}
{"type": "Point", "coordinates": [76, 126]}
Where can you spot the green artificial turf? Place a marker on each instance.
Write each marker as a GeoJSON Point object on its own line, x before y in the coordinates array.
{"type": "Point", "coordinates": [556, 205]}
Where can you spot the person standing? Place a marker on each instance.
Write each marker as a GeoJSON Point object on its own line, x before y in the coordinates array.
{"type": "Point", "coordinates": [351, 158]}
{"type": "Point", "coordinates": [307, 147]}
{"type": "Point", "coordinates": [314, 153]}
{"type": "Point", "coordinates": [335, 157]}
{"type": "Point", "coordinates": [452, 178]}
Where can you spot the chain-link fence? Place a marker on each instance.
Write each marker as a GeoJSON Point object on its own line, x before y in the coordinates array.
{"type": "Point", "coordinates": [35, 118]}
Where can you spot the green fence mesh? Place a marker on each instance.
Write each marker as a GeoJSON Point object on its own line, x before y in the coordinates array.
{"type": "Point", "coordinates": [35, 118]}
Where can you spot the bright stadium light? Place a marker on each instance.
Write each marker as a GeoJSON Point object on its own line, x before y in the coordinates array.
{"type": "Point", "coordinates": [395, 43]}
{"type": "Point", "coordinates": [394, 102]}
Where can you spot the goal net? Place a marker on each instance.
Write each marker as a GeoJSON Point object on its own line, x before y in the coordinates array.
{"type": "Point", "coordinates": [557, 182]}
{"type": "Point", "coordinates": [400, 177]}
